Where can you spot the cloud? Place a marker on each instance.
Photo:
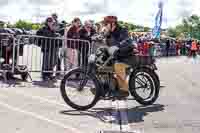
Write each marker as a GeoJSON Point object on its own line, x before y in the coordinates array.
{"type": "Point", "coordinates": [185, 8]}
{"type": "Point", "coordinates": [137, 11]}
{"type": "Point", "coordinates": [90, 8]}
{"type": "Point", "coordinates": [5, 2]}
{"type": "Point", "coordinates": [93, 8]}
{"type": "Point", "coordinates": [42, 2]}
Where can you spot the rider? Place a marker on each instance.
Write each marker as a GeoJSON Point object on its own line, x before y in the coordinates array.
{"type": "Point", "coordinates": [118, 40]}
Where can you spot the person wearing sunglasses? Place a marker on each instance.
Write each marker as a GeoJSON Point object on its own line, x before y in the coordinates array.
{"type": "Point", "coordinates": [50, 48]}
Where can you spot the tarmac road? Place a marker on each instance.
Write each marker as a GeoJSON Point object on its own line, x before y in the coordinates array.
{"type": "Point", "coordinates": [27, 108]}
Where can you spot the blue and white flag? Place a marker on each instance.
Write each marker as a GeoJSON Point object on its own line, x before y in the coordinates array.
{"type": "Point", "coordinates": [158, 22]}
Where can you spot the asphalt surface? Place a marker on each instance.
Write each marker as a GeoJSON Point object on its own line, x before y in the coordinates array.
{"type": "Point", "coordinates": [28, 108]}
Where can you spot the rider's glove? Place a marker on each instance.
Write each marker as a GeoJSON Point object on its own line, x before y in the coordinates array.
{"type": "Point", "coordinates": [113, 51]}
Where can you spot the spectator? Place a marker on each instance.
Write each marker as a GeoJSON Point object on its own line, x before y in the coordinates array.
{"type": "Point", "coordinates": [178, 47]}
{"type": "Point", "coordinates": [98, 28]}
{"type": "Point", "coordinates": [198, 47]}
{"type": "Point", "coordinates": [86, 32]}
{"type": "Point", "coordinates": [73, 31]}
{"type": "Point", "coordinates": [151, 49]}
{"type": "Point", "coordinates": [189, 43]}
{"type": "Point", "coordinates": [71, 46]}
{"type": "Point", "coordinates": [140, 47]}
{"type": "Point", "coordinates": [167, 47]}
{"type": "Point", "coordinates": [146, 48]}
{"type": "Point", "coordinates": [50, 48]}
{"type": "Point", "coordinates": [184, 48]}
{"type": "Point", "coordinates": [194, 48]}
{"type": "Point", "coordinates": [60, 28]}
{"type": "Point", "coordinates": [55, 17]}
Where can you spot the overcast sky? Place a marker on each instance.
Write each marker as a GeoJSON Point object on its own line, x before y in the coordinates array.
{"type": "Point", "coordinates": [137, 11]}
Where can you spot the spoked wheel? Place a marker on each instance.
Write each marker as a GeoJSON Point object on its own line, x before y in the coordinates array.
{"type": "Point", "coordinates": [80, 90]}
{"type": "Point", "coordinates": [145, 86]}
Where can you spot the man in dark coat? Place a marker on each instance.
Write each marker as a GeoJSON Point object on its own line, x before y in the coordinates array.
{"type": "Point", "coordinates": [50, 47]}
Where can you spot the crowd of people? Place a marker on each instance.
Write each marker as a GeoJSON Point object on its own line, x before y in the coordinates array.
{"type": "Point", "coordinates": [76, 30]}
{"type": "Point", "coordinates": [166, 46]}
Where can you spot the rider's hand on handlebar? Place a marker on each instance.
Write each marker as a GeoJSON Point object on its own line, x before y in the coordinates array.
{"type": "Point", "coordinates": [113, 50]}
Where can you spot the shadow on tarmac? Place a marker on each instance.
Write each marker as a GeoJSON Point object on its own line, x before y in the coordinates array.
{"type": "Point", "coordinates": [134, 115]}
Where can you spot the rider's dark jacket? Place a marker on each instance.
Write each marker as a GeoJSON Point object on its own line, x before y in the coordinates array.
{"type": "Point", "coordinates": [119, 37]}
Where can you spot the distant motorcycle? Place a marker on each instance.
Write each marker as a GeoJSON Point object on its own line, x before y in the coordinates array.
{"type": "Point", "coordinates": [82, 88]}
{"type": "Point", "coordinates": [8, 57]}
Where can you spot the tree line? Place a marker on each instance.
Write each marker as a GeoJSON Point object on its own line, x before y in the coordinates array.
{"type": "Point", "coordinates": [23, 24]}
{"type": "Point", "coordinates": [189, 28]}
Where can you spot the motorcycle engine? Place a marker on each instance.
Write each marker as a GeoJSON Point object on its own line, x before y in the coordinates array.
{"type": "Point", "coordinates": [101, 55]}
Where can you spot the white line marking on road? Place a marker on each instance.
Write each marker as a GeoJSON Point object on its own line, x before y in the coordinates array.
{"type": "Point", "coordinates": [117, 105]}
{"type": "Point", "coordinates": [36, 97]}
{"type": "Point", "coordinates": [39, 117]}
{"type": "Point", "coordinates": [121, 108]}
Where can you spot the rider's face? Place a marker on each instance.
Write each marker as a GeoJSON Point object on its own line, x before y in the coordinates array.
{"type": "Point", "coordinates": [108, 27]}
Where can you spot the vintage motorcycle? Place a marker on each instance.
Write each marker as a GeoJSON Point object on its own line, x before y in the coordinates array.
{"type": "Point", "coordinates": [82, 88]}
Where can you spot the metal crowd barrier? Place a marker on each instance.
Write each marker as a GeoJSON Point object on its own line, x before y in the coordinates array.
{"type": "Point", "coordinates": [44, 54]}
{"type": "Point", "coordinates": [7, 51]}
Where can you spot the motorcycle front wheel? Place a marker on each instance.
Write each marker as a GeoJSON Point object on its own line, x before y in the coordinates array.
{"type": "Point", "coordinates": [80, 90]}
{"type": "Point", "coordinates": [144, 86]}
